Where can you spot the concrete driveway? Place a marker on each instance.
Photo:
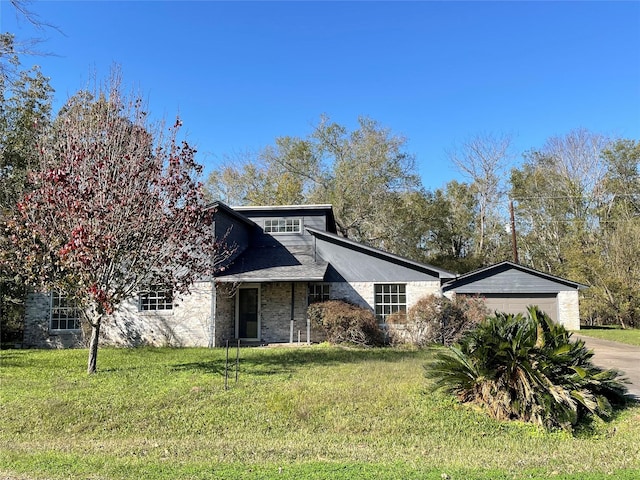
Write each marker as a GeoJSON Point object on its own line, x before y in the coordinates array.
{"type": "Point", "coordinates": [620, 356]}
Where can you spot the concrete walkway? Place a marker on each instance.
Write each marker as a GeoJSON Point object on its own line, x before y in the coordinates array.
{"type": "Point", "coordinates": [620, 356]}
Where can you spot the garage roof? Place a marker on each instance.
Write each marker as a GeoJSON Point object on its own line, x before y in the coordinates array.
{"type": "Point", "coordinates": [508, 277]}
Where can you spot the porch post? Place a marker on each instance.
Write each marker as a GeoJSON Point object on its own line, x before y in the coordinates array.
{"type": "Point", "coordinates": [212, 324]}
{"type": "Point", "coordinates": [292, 312]}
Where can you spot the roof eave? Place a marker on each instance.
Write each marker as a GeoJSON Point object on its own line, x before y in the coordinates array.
{"type": "Point", "coordinates": [249, 279]}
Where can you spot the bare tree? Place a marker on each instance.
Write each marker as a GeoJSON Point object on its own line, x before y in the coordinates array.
{"type": "Point", "coordinates": [11, 48]}
{"type": "Point", "coordinates": [483, 159]}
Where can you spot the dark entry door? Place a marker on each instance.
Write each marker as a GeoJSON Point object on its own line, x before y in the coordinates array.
{"type": "Point", "coordinates": [248, 326]}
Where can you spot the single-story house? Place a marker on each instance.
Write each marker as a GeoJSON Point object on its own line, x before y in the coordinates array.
{"type": "Point", "coordinates": [286, 257]}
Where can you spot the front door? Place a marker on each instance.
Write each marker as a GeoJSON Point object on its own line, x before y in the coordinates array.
{"type": "Point", "coordinates": [248, 326]}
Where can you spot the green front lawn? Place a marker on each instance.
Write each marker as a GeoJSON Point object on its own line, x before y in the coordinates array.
{"type": "Point", "coordinates": [615, 334]}
{"type": "Point", "coordinates": [312, 412]}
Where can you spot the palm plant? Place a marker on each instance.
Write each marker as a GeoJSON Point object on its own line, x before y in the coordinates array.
{"type": "Point", "coordinates": [527, 368]}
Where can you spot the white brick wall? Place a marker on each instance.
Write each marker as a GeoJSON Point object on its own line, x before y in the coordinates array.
{"type": "Point", "coordinates": [275, 311]}
{"type": "Point", "coordinates": [36, 326]}
{"type": "Point", "coordinates": [188, 324]}
{"type": "Point", "coordinates": [569, 309]}
{"type": "Point", "coordinates": [417, 290]}
{"type": "Point", "coordinates": [362, 293]}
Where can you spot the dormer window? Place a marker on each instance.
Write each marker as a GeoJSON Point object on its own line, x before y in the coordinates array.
{"type": "Point", "coordinates": [283, 225]}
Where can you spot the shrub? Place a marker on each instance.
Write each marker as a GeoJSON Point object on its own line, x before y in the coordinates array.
{"type": "Point", "coordinates": [474, 308]}
{"type": "Point", "coordinates": [527, 368]}
{"type": "Point", "coordinates": [436, 319]}
{"type": "Point", "coordinates": [344, 322]}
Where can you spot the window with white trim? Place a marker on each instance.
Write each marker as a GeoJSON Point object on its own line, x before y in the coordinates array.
{"type": "Point", "coordinates": [65, 315]}
{"type": "Point", "coordinates": [390, 298]}
{"type": "Point", "coordinates": [318, 292]}
{"type": "Point", "coordinates": [283, 225]}
{"type": "Point", "coordinates": [155, 300]}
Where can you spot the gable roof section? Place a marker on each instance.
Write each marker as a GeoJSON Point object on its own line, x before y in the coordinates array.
{"type": "Point", "coordinates": [509, 277]}
{"type": "Point", "coordinates": [350, 260]}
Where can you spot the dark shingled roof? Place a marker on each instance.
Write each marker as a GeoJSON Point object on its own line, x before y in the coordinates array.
{"type": "Point", "coordinates": [501, 267]}
{"type": "Point", "coordinates": [275, 264]}
{"type": "Point", "coordinates": [374, 252]}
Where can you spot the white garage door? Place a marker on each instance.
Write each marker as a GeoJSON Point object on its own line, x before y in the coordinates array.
{"type": "Point", "coordinates": [518, 303]}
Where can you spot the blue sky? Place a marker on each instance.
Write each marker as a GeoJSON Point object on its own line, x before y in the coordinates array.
{"type": "Point", "coordinates": [242, 73]}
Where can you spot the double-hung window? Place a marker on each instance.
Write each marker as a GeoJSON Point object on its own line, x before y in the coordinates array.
{"type": "Point", "coordinates": [390, 298]}
{"type": "Point", "coordinates": [157, 299]}
{"type": "Point", "coordinates": [65, 315]}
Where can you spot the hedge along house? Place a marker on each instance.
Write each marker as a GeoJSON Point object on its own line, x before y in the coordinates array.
{"type": "Point", "coordinates": [284, 258]}
{"type": "Point", "coordinates": [511, 288]}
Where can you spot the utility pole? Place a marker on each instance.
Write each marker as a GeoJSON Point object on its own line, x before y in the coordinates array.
{"type": "Point", "coordinates": [514, 243]}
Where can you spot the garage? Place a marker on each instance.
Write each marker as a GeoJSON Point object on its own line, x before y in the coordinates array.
{"type": "Point", "coordinates": [518, 303]}
{"type": "Point", "coordinates": [510, 288]}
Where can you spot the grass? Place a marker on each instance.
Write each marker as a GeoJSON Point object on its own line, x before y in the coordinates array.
{"type": "Point", "coordinates": [630, 336]}
{"type": "Point", "coordinates": [317, 412]}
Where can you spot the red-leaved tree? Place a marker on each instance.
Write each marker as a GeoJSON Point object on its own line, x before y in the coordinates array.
{"type": "Point", "coordinates": [115, 208]}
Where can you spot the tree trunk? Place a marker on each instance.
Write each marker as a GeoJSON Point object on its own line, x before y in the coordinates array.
{"type": "Point", "coordinates": [93, 347]}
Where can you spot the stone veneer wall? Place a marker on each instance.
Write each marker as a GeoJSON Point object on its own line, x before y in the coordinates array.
{"type": "Point", "coordinates": [275, 311]}
{"type": "Point", "coordinates": [569, 309]}
{"type": "Point", "coordinates": [225, 328]}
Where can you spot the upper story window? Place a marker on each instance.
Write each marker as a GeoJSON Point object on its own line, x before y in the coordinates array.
{"type": "Point", "coordinates": [155, 299]}
{"type": "Point", "coordinates": [283, 225]}
{"type": "Point", "coordinates": [65, 315]}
